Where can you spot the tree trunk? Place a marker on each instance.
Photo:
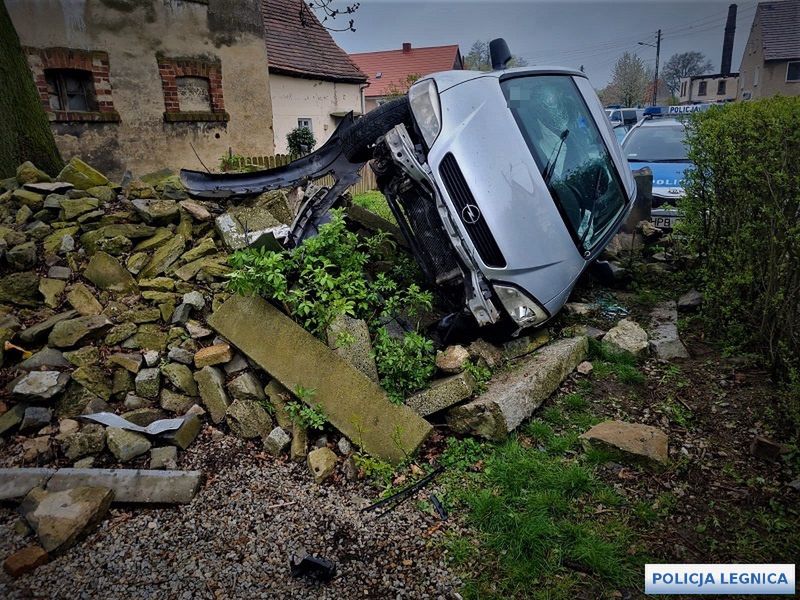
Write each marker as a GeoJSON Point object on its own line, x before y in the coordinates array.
{"type": "Point", "coordinates": [24, 129]}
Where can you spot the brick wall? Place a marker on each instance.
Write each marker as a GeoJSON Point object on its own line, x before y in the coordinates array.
{"type": "Point", "coordinates": [170, 68]}
{"type": "Point", "coordinates": [94, 62]}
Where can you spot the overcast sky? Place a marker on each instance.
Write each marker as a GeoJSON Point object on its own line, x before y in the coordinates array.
{"type": "Point", "coordinates": [565, 33]}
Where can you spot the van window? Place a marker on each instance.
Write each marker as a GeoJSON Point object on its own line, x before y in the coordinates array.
{"type": "Point", "coordinates": [569, 150]}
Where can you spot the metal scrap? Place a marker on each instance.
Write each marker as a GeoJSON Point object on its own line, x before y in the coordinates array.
{"type": "Point", "coordinates": [156, 427]}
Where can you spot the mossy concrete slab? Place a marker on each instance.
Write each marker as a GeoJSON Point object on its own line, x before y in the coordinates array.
{"type": "Point", "coordinates": [513, 395]}
{"type": "Point", "coordinates": [354, 404]}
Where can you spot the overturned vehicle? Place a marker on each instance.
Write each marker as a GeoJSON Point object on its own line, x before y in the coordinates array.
{"type": "Point", "coordinates": [506, 184]}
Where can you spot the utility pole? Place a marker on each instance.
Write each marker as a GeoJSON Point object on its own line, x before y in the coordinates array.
{"type": "Point", "coordinates": [657, 46]}
{"type": "Point", "coordinates": [655, 80]}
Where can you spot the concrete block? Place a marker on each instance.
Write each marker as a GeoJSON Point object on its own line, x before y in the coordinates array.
{"type": "Point", "coordinates": [15, 483]}
{"type": "Point", "coordinates": [354, 404]}
{"type": "Point", "coordinates": [133, 485]}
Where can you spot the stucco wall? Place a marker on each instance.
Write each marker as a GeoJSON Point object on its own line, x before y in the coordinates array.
{"type": "Point", "coordinates": [760, 79]}
{"type": "Point", "coordinates": [132, 32]}
{"type": "Point", "coordinates": [294, 98]}
{"type": "Point", "coordinates": [693, 89]}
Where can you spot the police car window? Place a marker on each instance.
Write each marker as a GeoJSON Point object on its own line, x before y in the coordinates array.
{"type": "Point", "coordinates": [656, 144]}
{"type": "Point", "coordinates": [570, 152]}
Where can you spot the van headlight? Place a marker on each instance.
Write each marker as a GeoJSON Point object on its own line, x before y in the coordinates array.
{"type": "Point", "coordinates": [424, 99]}
{"type": "Point", "coordinates": [524, 310]}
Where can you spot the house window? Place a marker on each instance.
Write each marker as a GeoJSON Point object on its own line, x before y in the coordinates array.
{"type": "Point", "coordinates": [305, 123]}
{"type": "Point", "coordinates": [683, 88]}
{"type": "Point", "coordinates": [793, 71]}
{"type": "Point", "coordinates": [70, 89]}
{"type": "Point", "coordinates": [701, 88]}
{"type": "Point", "coordinates": [721, 87]}
{"type": "Point", "coordinates": [73, 85]}
{"type": "Point", "coordinates": [193, 94]}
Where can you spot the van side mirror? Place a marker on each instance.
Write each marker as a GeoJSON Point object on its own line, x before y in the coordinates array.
{"type": "Point", "coordinates": [499, 54]}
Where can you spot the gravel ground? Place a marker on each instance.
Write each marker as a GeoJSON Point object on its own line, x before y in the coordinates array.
{"type": "Point", "coordinates": [234, 539]}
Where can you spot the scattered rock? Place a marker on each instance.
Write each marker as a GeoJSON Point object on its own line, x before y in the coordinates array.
{"type": "Point", "coordinates": [181, 377]}
{"type": "Point", "coordinates": [107, 273]}
{"type": "Point", "coordinates": [129, 361]}
{"type": "Point", "coordinates": [60, 517]}
{"type": "Point", "coordinates": [211, 386]}
{"type": "Point", "coordinates": [81, 175]}
{"type": "Point", "coordinates": [524, 345]}
{"type": "Point", "coordinates": [489, 354]}
{"type": "Point", "coordinates": [186, 433]}
{"type": "Point", "coordinates": [25, 560]}
{"type": "Point", "coordinates": [35, 418]}
{"type": "Point", "coordinates": [452, 359]}
{"type": "Point", "coordinates": [627, 336]}
{"type": "Point", "coordinates": [46, 357]}
{"type": "Point", "coordinates": [344, 446]}
{"type": "Point", "coordinates": [246, 387]}
{"type": "Point", "coordinates": [196, 330]}
{"type": "Point", "coordinates": [163, 457]}
{"type": "Point", "coordinates": [640, 443]}
{"type": "Point", "coordinates": [39, 386]}
{"type": "Point", "coordinates": [585, 368]}
{"type": "Point", "coordinates": [156, 211]}
{"type": "Point", "coordinates": [212, 355]}
{"type": "Point", "coordinates": [350, 339]}
{"type": "Point", "coordinates": [69, 332]}
{"type": "Point", "coordinates": [248, 419]}
{"type": "Point", "coordinates": [579, 308]}
{"type": "Point", "coordinates": [174, 402]}
{"type": "Point", "coordinates": [197, 210]}
{"type": "Point", "coordinates": [322, 463]}
{"type": "Point", "coordinates": [11, 418]}
{"type": "Point", "coordinates": [21, 289]}
{"type": "Point", "coordinates": [181, 355]}
{"type": "Point", "coordinates": [95, 380]}
{"type": "Point", "coordinates": [764, 449]}
{"type": "Point", "coordinates": [299, 449]}
{"type": "Point", "coordinates": [164, 256]}
{"type": "Point", "coordinates": [691, 300]}
{"type": "Point", "coordinates": [82, 357]}
{"type": "Point", "coordinates": [276, 441]}
{"type": "Point", "coordinates": [148, 383]}
{"type": "Point", "coordinates": [665, 343]}
{"type": "Point", "coordinates": [22, 257]}
{"type": "Point", "coordinates": [27, 172]}
{"type": "Point", "coordinates": [126, 445]}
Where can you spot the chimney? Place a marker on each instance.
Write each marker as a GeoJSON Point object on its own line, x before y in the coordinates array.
{"type": "Point", "coordinates": [727, 44]}
{"type": "Point", "coordinates": [406, 46]}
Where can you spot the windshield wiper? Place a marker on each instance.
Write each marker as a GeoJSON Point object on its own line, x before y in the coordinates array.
{"type": "Point", "coordinates": [547, 172]}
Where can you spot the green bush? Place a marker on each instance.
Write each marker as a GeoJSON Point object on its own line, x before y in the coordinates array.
{"type": "Point", "coordinates": [404, 366]}
{"type": "Point", "coordinates": [742, 216]}
{"type": "Point", "coordinates": [300, 141]}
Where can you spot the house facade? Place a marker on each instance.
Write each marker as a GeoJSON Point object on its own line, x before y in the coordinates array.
{"type": "Point", "coordinates": [771, 60]}
{"type": "Point", "coordinates": [391, 72]}
{"type": "Point", "coordinates": [709, 88]}
{"type": "Point", "coordinates": [313, 82]}
{"type": "Point", "coordinates": [141, 86]}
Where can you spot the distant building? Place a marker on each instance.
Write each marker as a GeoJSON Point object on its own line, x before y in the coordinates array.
{"type": "Point", "coordinates": [714, 87]}
{"type": "Point", "coordinates": [391, 72]}
{"type": "Point", "coordinates": [313, 82]}
{"type": "Point", "coordinates": [771, 61]}
{"type": "Point", "coordinates": [143, 85]}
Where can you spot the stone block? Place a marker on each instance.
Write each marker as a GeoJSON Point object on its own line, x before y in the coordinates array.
{"type": "Point", "coordinates": [16, 482]}
{"type": "Point", "coordinates": [442, 393]}
{"type": "Point", "coordinates": [353, 403]}
{"type": "Point", "coordinates": [637, 442]}
{"type": "Point", "coordinates": [133, 485]}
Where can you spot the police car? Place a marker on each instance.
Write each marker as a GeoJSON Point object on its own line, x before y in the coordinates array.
{"type": "Point", "coordinates": [658, 141]}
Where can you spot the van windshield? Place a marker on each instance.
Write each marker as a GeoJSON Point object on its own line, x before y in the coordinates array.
{"type": "Point", "coordinates": [568, 149]}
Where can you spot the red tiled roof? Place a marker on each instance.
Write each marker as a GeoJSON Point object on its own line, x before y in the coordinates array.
{"type": "Point", "coordinates": [304, 49]}
{"type": "Point", "coordinates": [396, 65]}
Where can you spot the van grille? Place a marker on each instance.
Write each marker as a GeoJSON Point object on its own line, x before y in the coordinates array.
{"type": "Point", "coordinates": [461, 196]}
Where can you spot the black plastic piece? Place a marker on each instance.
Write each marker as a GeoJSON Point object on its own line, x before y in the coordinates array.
{"type": "Point", "coordinates": [305, 565]}
{"type": "Point", "coordinates": [499, 54]}
{"type": "Point", "coordinates": [440, 509]}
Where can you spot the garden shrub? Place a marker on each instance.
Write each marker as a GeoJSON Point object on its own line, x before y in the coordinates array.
{"type": "Point", "coordinates": [300, 141]}
{"type": "Point", "coordinates": [741, 215]}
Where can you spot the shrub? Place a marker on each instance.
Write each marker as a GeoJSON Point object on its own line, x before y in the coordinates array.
{"type": "Point", "coordinates": [741, 215]}
{"type": "Point", "coordinates": [300, 141]}
{"type": "Point", "coordinates": [404, 366]}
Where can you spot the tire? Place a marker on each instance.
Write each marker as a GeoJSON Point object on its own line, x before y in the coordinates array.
{"type": "Point", "coordinates": [357, 141]}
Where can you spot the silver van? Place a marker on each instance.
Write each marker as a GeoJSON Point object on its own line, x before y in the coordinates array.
{"type": "Point", "coordinates": [506, 184]}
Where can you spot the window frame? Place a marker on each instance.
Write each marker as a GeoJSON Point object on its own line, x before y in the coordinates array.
{"type": "Point", "coordinates": [788, 65]}
{"type": "Point", "coordinates": [702, 88]}
{"type": "Point", "coordinates": [310, 125]}
{"type": "Point", "coordinates": [58, 78]}
{"type": "Point", "coordinates": [722, 87]}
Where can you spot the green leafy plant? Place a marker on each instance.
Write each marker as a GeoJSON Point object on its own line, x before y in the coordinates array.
{"type": "Point", "coordinates": [302, 413]}
{"type": "Point", "coordinates": [378, 471]}
{"type": "Point", "coordinates": [405, 365]}
{"type": "Point", "coordinates": [481, 373]}
{"type": "Point", "coordinates": [300, 141]}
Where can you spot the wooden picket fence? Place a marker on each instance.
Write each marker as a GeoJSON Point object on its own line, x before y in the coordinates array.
{"type": "Point", "coordinates": [367, 183]}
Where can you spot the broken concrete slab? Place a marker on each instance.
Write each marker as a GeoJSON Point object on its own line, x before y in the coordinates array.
{"type": "Point", "coordinates": [139, 486]}
{"type": "Point", "coordinates": [16, 483]}
{"type": "Point", "coordinates": [665, 343]}
{"type": "Point", "coordinates": [525, 344]}
{"type": "Point", "coordinates": [443, 393]}
{"type": "Point", "coordinates": [512, 396]}
{"type": "Point", "coordinates": [60, 517]}
{"type": "Point", "coordinates": [353, 403]}
{"type": "Point", "coordinates": [637, 442]}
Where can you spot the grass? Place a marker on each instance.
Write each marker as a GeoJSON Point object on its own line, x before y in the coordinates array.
{"type": "Point", "coordinates": [375, 202]}
{"type": "Point", "coordinates": [533, 501]}
{"type": "Point", "coordinates": [608, 361]}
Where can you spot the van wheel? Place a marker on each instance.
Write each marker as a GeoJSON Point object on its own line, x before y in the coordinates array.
{"type": "Point", "coordinates": [358, 140]}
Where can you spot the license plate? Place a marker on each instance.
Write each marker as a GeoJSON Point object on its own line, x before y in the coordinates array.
{"type": "Point", "coordinates": [665, 222]}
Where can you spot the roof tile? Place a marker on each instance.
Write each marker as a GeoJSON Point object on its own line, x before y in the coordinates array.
{"type": "Point", "coordinates": [396, 65]}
